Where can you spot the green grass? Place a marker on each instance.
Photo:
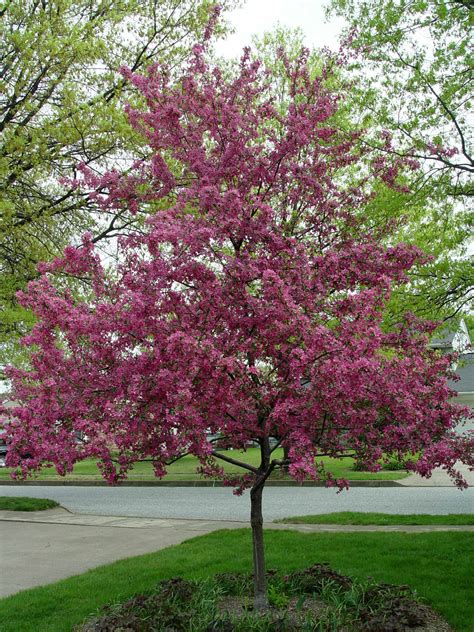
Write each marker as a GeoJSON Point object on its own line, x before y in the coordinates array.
{"type": "Point", "coordinates": [185, 469]}
{"type": "Point", "coordinates": [436, 565]}
{"type": "Point", "coordinates": [359, 518]}
{"type": "Point", "coordinates": [19, 503]}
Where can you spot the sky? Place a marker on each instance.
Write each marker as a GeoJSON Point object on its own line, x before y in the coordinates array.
{"type": "Point", "coordinates": [256, 17]}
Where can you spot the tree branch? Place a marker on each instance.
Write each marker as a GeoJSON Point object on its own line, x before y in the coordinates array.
{"type": "Point", "coordinates": [228, 459]}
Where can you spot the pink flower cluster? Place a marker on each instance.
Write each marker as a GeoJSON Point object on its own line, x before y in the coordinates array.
{"type": "Point", "coordinates": [250, 308]}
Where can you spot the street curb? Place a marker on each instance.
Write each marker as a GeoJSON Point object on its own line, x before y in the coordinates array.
{"type": "Point", "coordinates": [192, 483]}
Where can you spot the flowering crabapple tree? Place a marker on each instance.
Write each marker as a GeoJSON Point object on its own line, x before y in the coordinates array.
{"type": "Point", "coordinates": [248, 306]}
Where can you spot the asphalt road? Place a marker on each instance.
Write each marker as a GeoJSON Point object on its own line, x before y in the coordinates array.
{"type": "Point", "coordinates": [220, 504]}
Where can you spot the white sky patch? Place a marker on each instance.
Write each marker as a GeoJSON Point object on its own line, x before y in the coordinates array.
{"type": "Point", "coordinates": [257, 17]}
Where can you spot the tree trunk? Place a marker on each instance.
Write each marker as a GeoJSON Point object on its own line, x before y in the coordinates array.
{"type": "Point", "coordinates": [256, 520]}
{"type": "Point", "coordinates": [286, 457]}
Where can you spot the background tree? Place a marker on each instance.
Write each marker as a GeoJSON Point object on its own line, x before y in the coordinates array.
{"type": "Point", "coordinates": [411, 85]}
{"type": "Point", "coordinates": [415, 63]}
{"type": "Point", "coordinates": [61, 104]}
{"type": "Point", "coordinates": [246, 308]}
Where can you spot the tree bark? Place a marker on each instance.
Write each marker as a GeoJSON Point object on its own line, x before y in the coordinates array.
{"type": "Point", "coordinates": [286, 457]}
{"type": "Point", "coordinates": [256, 520]}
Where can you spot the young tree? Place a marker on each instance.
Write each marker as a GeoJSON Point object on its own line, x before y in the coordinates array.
{"type": "Point", "coordinates": [246, 308]}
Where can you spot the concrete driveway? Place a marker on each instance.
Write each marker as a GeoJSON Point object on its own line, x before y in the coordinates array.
{"type": "Point", "coordinates": [47, 546]}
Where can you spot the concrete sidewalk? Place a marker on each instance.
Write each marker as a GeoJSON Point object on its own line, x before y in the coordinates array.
{"type": "Point", "coordinates": [44, 547]}
{"type": "Point", "coordinates": [439, 478]}
{"type": "Point", "coordinates": [61, 516]}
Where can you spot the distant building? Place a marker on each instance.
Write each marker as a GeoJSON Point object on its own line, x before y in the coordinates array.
{"type": "Point", "coordinates": [460, 342]}
{"type": "Point", "coordinates": [453, 340]}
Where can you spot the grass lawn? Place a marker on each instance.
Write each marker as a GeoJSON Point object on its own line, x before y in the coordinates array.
{"type": "Point", "coordinates": [19, 503]}
{"type": "Point", "coordinates": [354, 517]}
{"type": "Point", "coordinates": [436, 565]}
{"type": "Point", "coordinates": [185, 469]}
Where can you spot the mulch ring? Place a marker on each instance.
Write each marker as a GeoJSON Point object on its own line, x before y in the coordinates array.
{"type": "Point", "coordinates": [316, 598]}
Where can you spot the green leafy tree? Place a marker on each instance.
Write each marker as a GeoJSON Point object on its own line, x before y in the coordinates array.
{"type": "Point", "coordinates": [61, 104]}
{"type": "Point", "coordinates": [411, 86]}
{"type": "Point", "coordinates": [415, 67]}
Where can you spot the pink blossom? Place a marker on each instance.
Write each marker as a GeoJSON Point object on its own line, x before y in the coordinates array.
{"type": "Point", "coordinates": [251, 307]}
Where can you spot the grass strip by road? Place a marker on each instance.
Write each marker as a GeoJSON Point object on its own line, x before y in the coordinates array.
{"type": "Point", "coordinates": [436, 565]}
{"type": "Point", "coordinates": [361, 518]}
{"type": "Point", "coordinates": [185, 469]}
{"type": "Point", "coordinates": [20, 503]}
